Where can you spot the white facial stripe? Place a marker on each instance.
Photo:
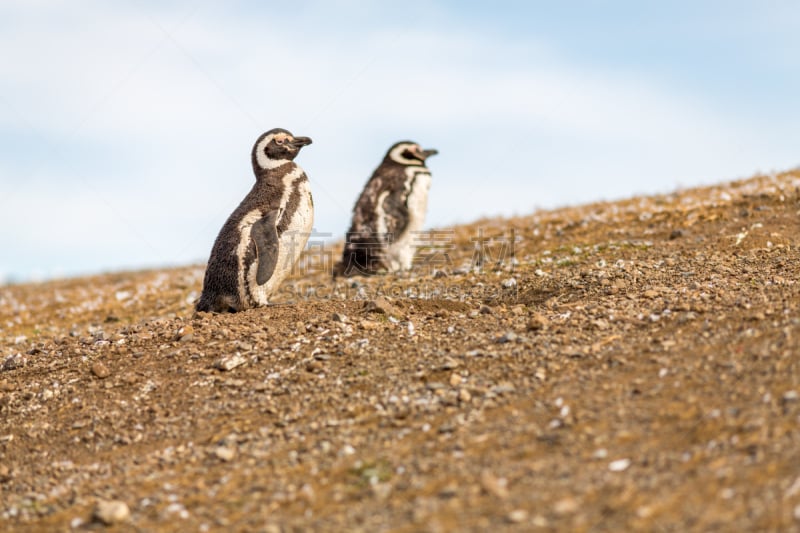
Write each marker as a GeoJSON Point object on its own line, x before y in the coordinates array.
{"type": "Point", "coordinates": [396, 155]}
{"type": "Point", "coordinates": [262, 159]}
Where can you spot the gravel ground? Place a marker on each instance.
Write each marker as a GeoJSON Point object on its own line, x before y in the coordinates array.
{"type": "Point", "coordinates": [616, 366]}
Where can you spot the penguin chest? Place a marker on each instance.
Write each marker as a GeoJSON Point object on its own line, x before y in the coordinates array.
{"type": "Point", "coordinates": [400, 252]}
{"type": "Point", "coordinates": [293, 227]}
{"type": "Point", "coordinates": [298, 222]}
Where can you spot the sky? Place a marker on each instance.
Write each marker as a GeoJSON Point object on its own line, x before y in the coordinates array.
{"type": "Point", "coordinates": [126, 127]}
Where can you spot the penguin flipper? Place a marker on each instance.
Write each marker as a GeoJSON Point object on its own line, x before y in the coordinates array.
{"type": "Point", "coordinates": [396, 207]}
{"type": "Point", "coordinates": [265, 236]}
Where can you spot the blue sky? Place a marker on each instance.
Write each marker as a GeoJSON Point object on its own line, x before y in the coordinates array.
{"type": "Point", "coordinates": [126, 127]}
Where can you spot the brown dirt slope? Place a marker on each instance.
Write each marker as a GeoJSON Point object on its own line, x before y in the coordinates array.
{"type": "Point", "coordinates": [618, 366]}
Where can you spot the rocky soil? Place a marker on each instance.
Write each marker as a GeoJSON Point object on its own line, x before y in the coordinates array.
{"type": "Point", "coordinates": [619, 366]}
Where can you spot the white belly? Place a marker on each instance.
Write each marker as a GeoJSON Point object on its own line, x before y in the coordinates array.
{"type": "Point", "coordinates": [292, 243]}
{"type": "Point", "coordinates": [400, 253]}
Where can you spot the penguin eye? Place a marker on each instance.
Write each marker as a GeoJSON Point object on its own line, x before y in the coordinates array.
{"type": "Point", "coordinates": [278, 141]}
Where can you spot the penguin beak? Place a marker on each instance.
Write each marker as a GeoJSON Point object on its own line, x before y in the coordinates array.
{"type": "Point", "coordinates": [425, 154]}
{"type": "Point", "coordinates": [299, 142]}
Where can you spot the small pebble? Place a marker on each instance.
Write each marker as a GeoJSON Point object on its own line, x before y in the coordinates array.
{"type": "Point", "coordinates": [537, 322]}
{"type": "Point", "coordinates": [450, 364]}
{"type": "Point", "coordinates": [540, 521]}
{"type": "Point", "coordinates": [179, 509]}
{"type": "Point", "coordinates": [509, 283]}
{"type": "Point", "coordinates": [382, 305]}
{"type": "Point", "coordinates": [645, 511]}
{"type": "Point", "coordinates": [100, 370]}
{"type": "Point", "coordinates": [185, 333]}
{"type": "Point", "coordinates": [504, 388]}
{"type": "Point", "coordinates": [225, 453]}
{"type": "Point", "coordinates": [229, 362]}
{"type": "Point", "coordinates": [464, 396]}
{"type": "Point", "coordinates": [600, 453]}
{"type": "Point", "coordinates": [507, 337]}
{"type": "Point", "coordinates": [566, 505]}
{"type": "Point", "coordinates": [619, 465]}
{"type": "Point", "coordinates": [497, 486]}
{"type": "Point", "coordinates": [449, 491]}
{"type": "Point", "coordinates": [517, 516]}
{"type": "Point", "coordinates": [307, 493]}
{"type": "Point", "coordinates": [122, 295]}
{"type": "Point", "coordinates": [111, 512]}
{"type": "Point", "coordinates": [13, 361]}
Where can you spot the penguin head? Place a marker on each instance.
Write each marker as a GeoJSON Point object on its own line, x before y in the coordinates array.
{"type": "Point", "coordinates": [275, 148]}
{"type": "Point", "coordinates": [408, 153]}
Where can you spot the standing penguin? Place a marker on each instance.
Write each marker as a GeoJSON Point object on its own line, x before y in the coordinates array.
{"type": "Point", "coordinates": [262, 239]}
{"type": "Point", "coordinates": [390, 210]}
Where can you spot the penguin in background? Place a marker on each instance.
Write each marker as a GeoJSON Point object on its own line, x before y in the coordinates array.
{"type": "Point", "coordinates": [262, 239]}
{"type": "Point", "coordinates": [388, 214]}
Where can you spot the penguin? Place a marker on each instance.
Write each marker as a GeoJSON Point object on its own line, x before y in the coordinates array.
{"type": "Point", "coordinates": [389, 212]}
{"type": "Point", "coordinates": [260, 242]}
